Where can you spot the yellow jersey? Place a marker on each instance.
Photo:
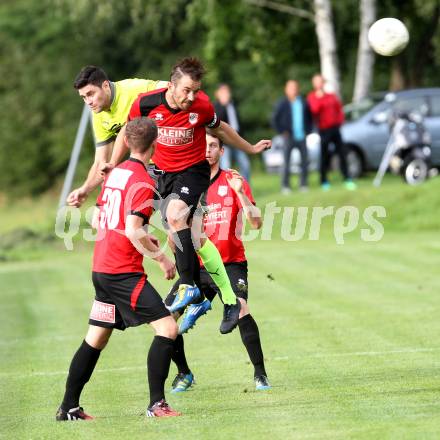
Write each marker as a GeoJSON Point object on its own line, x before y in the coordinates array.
{"type": "Point", "coordinates": [106, 124]}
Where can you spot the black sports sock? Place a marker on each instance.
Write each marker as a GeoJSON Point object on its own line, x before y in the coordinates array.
{"type": "Point", "coordinates": [196, 273]}
{"type": "Point", "coordinates": [158, 363]}
{"type": "Point", "coordinates": [185, 256]}
{"type": "Point", "coordinates": [251, 340]}
{"type": "Point", "coordinates": [178, 356]}
{"type": "Point", "coordinates": [81, 368]}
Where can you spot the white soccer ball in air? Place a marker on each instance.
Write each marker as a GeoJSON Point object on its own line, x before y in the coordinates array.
{"type": "Point", "coordinates": [388, 36]}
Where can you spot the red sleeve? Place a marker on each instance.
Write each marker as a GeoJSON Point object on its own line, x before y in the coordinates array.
{"type": "Point", "coordinates": [99, 201]}
{"type": "Point", "coordinates": [340, 110]}
{"type": "Point", "coordinates": [135, 110]}
{"type": "Point", "coordinates": [248, 192]}
{"type": "Point", "coordinates": [313, 103]}
{"type": "Point", "coordinates": [210, 118]}
{"type": "Point", "coordinates": [139, 200]}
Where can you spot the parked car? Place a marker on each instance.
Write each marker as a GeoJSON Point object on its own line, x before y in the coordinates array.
{"type": "Point", "coordinates": [366, 131]}
{"type": "Point", "coordinates": [273, 159]}
{"type": "Point", "coordinates": [366, 134]}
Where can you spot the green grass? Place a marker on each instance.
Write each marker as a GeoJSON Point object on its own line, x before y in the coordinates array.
{"type": "Point", "coordinates": [349, 335]}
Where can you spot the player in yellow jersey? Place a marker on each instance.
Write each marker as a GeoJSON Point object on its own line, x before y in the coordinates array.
{"type": "Point", "coordinates": [110, 103]}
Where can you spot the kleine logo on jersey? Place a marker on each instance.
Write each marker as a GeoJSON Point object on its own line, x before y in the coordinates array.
{"type": "Point", "coordinates": [175, 136]}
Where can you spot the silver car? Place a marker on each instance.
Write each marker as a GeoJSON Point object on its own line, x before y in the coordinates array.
{"type": "Point", "coordinates": [274, 158]}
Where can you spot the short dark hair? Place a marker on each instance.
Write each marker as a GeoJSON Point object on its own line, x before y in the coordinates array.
{"type": "Point", "coordinates": [190, 66]}
{"type": "Point", "coordinates": [220, 142]}
{"type": "Point", "coordinates": [141, 133]}
{"type": "Point", "coordinates": [90, 75]}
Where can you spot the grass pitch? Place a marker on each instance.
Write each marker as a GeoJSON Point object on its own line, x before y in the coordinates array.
{"type": "Point", "coordinates": [349, 332]}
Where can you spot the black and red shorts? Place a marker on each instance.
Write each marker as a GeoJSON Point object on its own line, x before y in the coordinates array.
{"type": "Point", "coordinates": [125, 300]}
{"type": "Point", "coordinates": [188, 185]}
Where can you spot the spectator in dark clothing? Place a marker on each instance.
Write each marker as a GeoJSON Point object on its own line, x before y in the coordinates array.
{"type": "Point", "coordinates": [328, 114]}
{"type": "Point", "coordinates": [292, 119]}
{"type": "Point", "coordinates": [227, 112]}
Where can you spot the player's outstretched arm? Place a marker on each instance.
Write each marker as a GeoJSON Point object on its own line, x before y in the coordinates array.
{"type": "Point", "coordinates": [148, 245]}
{"type": "Point", "coordinates": [79, 195]}
{"type": "Point", "coordinates": [252, 212]}
{"type": "Point", "coordinates": [230, 137]}
{"type": "Point", "coordinates": [120, 150]}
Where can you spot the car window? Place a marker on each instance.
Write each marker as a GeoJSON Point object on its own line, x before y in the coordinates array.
{"type": "Point", "coordinates": [382, 107]}
{"type": "Point", "coordinates": [417, 104]}
{"type": "Point", "coordinates": [435, 105]}
{"type": "Point", "coordinates": [355, 110]}
{"type": "Point", "coordinates": [380, 111]}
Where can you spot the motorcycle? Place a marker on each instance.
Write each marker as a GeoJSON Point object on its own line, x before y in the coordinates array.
{"type": "Point", "coordinates": [408, 152]}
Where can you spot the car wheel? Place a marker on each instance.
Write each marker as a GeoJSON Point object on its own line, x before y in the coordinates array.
{"type": "Point", "coordinates": [414, 171]}
{"type": "Point", "coordinates": [355, 163]}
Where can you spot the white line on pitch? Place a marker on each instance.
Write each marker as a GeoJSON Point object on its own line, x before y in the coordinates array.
{"type": "Point", "coordinates": [358, 353]}
{"type": "Point", "coordinates": [376, 353]}
{"type": "Point", "coordinates": [277, 359]}
{"type": "Point", "coordinates": [64, 372]}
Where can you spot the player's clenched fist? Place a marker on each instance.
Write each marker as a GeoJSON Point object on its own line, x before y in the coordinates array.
{"type": "Point", "coordinates": [262, 145]}
{"type": "Point", "coordinates": [235, 181]}
{"type": "Point", "coordinates": [105, 168]}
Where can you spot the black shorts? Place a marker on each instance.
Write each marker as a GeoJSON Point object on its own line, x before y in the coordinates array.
{"type": "Point", "coordinates": [188, 185]}
{"type": "Point", "coordinates": [238, 276]}
{"type": "Point", "coordinates": [154, 173]}
{"type": "Point", "coordinates": [125, 300]}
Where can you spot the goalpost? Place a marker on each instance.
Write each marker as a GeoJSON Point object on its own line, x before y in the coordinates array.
{"type": "Point", "coordinates": [74, 155]}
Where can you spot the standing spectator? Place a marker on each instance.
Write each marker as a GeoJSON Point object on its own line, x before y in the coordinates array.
{"type": "Point", "coordinates": [328, 115]}
{"type": "Point", "coordinates": [226, 111]}
{"type": "Point", "coordinates": [293, 120]}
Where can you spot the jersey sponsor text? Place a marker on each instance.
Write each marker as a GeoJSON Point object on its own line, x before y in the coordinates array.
{"type": "Point", "coordinates": [175, 136]}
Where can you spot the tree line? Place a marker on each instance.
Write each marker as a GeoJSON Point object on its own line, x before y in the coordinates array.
{"type": "Point", "coordinates": [255, 45]}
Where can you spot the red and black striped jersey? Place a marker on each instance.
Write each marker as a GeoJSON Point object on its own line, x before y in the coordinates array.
{"type": "Point", "coordinates": [128, 190]}
{"type": "Point", "coordinates": [223, 221]}
{"type": "Point", "coordinates": [181, 141]}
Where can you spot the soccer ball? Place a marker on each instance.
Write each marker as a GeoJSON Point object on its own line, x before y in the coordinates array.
{"type": "Point", "coordinates": [388, 36]}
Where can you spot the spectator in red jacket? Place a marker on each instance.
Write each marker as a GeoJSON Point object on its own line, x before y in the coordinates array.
{"type": "Point", "coordinates": [328, 115]}
{"type": "Point", "coordinates": [293, 120]}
